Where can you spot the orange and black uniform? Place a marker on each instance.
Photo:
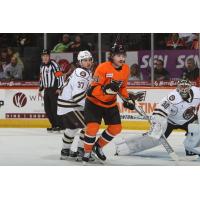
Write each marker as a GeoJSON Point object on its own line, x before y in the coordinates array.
{"type": "Point", "coordinates": [100, 106]}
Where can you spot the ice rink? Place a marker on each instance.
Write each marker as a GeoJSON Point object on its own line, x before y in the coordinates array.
{"type": "Point", "coordinates": [36, 147]}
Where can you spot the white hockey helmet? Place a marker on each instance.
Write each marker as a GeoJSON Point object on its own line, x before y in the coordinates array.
{"type": "Point", "coordinates": [84, 55]}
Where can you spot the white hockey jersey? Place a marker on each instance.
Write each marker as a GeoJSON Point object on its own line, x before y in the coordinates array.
{"type": "Point", "coordinates": [176, 109]}
{"type": "Point", "coordinates": [74, 91]}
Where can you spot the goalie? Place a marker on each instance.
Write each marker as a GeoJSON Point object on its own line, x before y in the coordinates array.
{"type": "Point", "coordinates": [179, 110]}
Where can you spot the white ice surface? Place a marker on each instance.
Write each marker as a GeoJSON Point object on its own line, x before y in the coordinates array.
{"type": "Point", "coordinates": [36, 147]}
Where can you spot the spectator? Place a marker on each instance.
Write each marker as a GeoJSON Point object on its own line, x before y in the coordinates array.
{"type": "Point", "coordinates": [80, 45]}
{"type": "Point", "coordinates": [63, 46]}
{"type": "Point", "coordinates": [24, 39]}
{"type": "Point", "coordinates": [13, 71]}
{"type": "Point", "coordinates": [195, 44]}
{"type": "Point", "coordinates": [135, 73]}
{"type": "Point", "coordinates": [174, 42]}
{"type": "Point", "coordinates": [2, 74]}
{"type": "Point", "coordinates": [188, 38]}
{"type": "Point", "coordinates": [77, 46]}
{"type": "Point", "coordinates": [11, 52]}
{"type": "Point", "coordinates": [4, 58]}
{"type": "Point", "coordinates": [191, 72]}
{"type": "Point", "coordinates": [160, 73]}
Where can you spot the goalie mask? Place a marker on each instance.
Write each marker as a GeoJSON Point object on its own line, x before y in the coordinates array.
{"type": "Point", "coordinates": [183, 87]}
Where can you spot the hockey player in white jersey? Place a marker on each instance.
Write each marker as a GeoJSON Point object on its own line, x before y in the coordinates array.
{"type": "Point", "coordinates": [71, 104]}
{"type": "Point", "coordinates": [179, 110]}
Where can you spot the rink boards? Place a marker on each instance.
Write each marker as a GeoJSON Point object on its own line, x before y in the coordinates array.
{"type": "Point", "coordinates": [22, 107]}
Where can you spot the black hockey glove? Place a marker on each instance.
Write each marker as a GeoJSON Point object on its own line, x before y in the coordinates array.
{"type": "Point", "coordinates": [129, 103]}
{"type": "Point", "coordinates": [111, 88]}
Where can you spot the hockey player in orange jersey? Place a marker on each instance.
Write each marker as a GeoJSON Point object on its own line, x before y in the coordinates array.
{"type": "Point", "coordinates": [110, 78]}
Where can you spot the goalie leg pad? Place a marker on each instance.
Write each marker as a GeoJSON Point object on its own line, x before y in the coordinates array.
{"type": "Point", "coordinates": [134, 145]}
{"type": "Point", "coordinates": [192, 141]}
{"type": "Point", "coordinates": [158, 126]}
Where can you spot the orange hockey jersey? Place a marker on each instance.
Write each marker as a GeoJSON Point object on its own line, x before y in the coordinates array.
{"type": "Point", "coordinates": [104, 74]}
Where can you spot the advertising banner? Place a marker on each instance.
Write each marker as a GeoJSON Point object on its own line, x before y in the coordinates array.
{"type": "Point", "coordinates": [174, 61]}
{"type": "Point", "coordinates": [26, 104]}
{"type": "Point", "coordinates": [2, 104]}
{"type": "Point", "coordinates": [23, 103]}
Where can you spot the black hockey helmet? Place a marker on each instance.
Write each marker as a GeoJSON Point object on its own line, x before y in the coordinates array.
{"type": "Point", "coordinates": [45, 51]}
{"type": "Point", "coordinates": [117, 49]}
{"type": "Point", "coordinates": [183, 87]}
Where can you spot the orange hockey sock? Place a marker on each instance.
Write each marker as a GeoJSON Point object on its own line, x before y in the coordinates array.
{"type": "Point", "coordinates": [90, 136]}
{"type": "Point", "coordinates": [109, 134]}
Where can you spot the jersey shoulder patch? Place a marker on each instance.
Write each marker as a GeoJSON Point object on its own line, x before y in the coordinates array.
{"type": "Point", "coordinates": [82, 73]}
{"type": "Point", "coordinates": [174, 97]}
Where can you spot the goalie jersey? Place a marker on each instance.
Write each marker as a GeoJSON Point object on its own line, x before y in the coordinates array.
{"type": "Point", "coordinates": [177, 110]}
{"type": "Point", "coordinates": [73, 92]}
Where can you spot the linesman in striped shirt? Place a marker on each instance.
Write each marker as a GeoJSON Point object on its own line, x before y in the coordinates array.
{"type": "Point", "coordinates": [51, 81]}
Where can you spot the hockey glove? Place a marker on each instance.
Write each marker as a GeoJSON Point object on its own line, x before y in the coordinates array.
{"type": "Point", "coordinates": [129, 103]}
{"type": "Point", "coordinates": [111, 88]}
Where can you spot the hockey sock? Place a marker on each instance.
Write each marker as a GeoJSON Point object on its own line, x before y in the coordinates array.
{"type": "Point", "coordinates": [81, 139]}
{"type": "Point", "coordinates": [68, 138]}
{"type": "Point", "coordinates": [109, 134]}
{"type": "Point", "coordinates": [90, 136]}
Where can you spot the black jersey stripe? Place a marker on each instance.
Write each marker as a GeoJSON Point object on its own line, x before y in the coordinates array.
{"type": "Point", "coordinates": [155, 113]}
{"type": "Point", "coordinates": [159, 110]}
{"type": "Point", "coordinates": [79, 94]}
{"type": "Point", "coordinates": [68, 106]}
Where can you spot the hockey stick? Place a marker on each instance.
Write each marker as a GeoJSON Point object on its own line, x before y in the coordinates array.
{"type": "Point", "coordinates": [162, 139]}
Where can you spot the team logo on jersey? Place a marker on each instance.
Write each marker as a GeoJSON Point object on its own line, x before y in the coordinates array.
{"type": "Point", "coordinates": [83, 74]}
{"type": "Point", "coordinates": [19, 99]}
{"type": "Point", "coordinates": [110, 75]}
{"type": "Point", "coordinates": [119, 83]}
{"type": "Point", "coordinates": [173, 111]}
{"type": "Point", "coordinates": [171, 98]}
{"type": "Point", "coordinates": [189, 113]}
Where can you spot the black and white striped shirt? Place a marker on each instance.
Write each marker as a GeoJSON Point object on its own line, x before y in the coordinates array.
{"type": "Point", "coordinates": [50, 76]}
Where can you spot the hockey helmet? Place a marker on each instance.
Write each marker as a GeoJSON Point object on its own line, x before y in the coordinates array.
{"type": "Point", "coordinates": [117, 49]}
{"type": "Point", "coordinates": [45, 51]}
{"type": "Point", "coordinates": [183, 87]}
{"type": "Point", "coordinates": [84, 55]}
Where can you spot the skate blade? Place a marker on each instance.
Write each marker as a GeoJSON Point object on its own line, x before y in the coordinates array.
{"type": "Point", "coordinates": [98, 159]}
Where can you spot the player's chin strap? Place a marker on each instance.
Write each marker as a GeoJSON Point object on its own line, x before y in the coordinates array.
{"type": "Point", "coordinates": [162, 139]}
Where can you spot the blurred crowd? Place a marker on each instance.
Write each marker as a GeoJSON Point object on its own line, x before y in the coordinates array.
{"type": "Point", "coordinates": [20, 53]}
{"type": "Point", "coordinates": [176, 41]}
